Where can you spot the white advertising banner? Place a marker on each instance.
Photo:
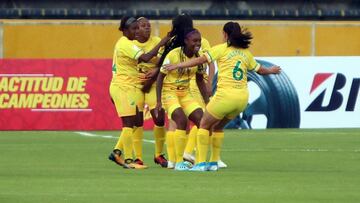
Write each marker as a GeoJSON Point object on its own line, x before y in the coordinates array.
{"type": "Point", "coordinates": [327, 88]}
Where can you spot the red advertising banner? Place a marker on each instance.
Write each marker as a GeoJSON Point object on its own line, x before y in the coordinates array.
{"type": "Point", "coordinates": [57, 94]}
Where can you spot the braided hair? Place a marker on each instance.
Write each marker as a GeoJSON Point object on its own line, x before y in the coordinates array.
{"type": "Point", "coordinates": [179, 23]}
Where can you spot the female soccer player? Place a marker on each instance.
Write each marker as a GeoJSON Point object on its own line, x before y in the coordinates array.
{"type": "Point", "coordinates": [173, 91]}
{"type": "Point", "coordinates": [123, 88]}
{"type": "Point", "coordinates": [234, 60]}
{"type": "Point", "coordinates": [146, 42]}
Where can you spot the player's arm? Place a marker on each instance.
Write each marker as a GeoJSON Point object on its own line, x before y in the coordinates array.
{"type": "Point", "coordinates": [159, 85]}
{"type": "Point", "coordinates": [190, 63]}
{"type": "Point", "coordinates": [211, 77]}
{"type": "Point", "coordinates": [148, 56]}
{"type": "Point", "coordinates": [266, 71]}
{"type": "Point", "coordinates": [260, 69]}
{"type": "Point", "coordinates": [202, 87]}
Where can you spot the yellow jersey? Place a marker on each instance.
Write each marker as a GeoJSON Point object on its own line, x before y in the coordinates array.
{"type": "Point", "coordinates": [178, 79]}
{"type": "Point", "coordinates": [205, 46]}
{"type": "Point", "coordinates": [233, 64]}
{"type": "Point", "coordinates": [147, 47]}
{"type": "Point", "coordinates": [125, 60]}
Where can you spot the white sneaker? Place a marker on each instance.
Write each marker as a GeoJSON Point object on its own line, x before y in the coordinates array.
{"type": "Point", "coordinates": [182, 166]}
{"type": "Point", "coordinates": [189, 157]}
{"type": "Point", "coordinates": [212, 166]}
{"type": "Point", "coordinates": [171, 165]}
{"type": "Point", "coordinates": [221, 164]}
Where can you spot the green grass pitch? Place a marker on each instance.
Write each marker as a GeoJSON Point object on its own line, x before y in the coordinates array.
{"type": "Point", "coordinates": [279, 166]}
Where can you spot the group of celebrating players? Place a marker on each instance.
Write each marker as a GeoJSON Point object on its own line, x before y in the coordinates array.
{"type": "Point", "coordinates": [169, 75]}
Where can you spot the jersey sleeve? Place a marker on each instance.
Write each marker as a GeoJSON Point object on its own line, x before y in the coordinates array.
{"type": "Point", "coordinates": [130, 50]}
{"type": "Point", "coordinates": [215, 53]}
{"type": "Point", "coordinates": [253, 65]}
{"type": "Point", "coordinates": [166, 62]}
{"type": "Point", "coordinates": [205, 45]}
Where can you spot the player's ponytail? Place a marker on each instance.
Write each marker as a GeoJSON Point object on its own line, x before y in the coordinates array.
{"type": "Point", "coordinates": [179, 24]}
{"type": "Point", "coordinates": [237, 37]}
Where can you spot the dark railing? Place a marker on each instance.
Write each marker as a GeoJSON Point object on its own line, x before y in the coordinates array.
{"type": "Point", "coordinates": [269, 14]}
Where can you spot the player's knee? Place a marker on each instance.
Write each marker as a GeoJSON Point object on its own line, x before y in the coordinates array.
{"type": "Point", "coordinates": [181, 122]}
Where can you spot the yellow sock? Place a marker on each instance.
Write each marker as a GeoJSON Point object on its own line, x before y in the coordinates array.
{"type": "Point", "coordinates": [217, 140]}
{"type": "Point", "coordinates": [170, 146]}
{"type": "Point", "coordinates": [191, 141]}
{"type": "Point", "coordinates": [180, 142]}
{"type": "Point", "coordinates": [137, 141]}
{"type": "Point", "coordinates": [159, 134]}
{"type": "Point", "coordinates": [126, 139]}
{"type": "Point", "coordinates": [202, 144]}
{"type": "Point", "coordinates": [120, 143]}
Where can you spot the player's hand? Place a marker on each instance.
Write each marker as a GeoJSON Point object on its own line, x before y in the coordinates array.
{"type": "Point", "coordinates": [151, 74]}
{"type": "Point", "coordinates": [142, 77]}
{"type": "Point", "coordinates": [157, 109]}
{"type": "Point", "coordinates": [170, 67]}
{"type": "Point", "coordinates": [275, 69]}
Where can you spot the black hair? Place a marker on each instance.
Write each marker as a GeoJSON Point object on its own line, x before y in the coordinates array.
{"type": "Point", "coordinates": [237, 37]}
{"type": "Point", "coordinates": [125, 22]}
{"type": "Point", "coordinates": [188, 31]}
{"type": "Point", "coordinates": [179, 24]}
{"type": "Point", "coordinates": [182, 71]}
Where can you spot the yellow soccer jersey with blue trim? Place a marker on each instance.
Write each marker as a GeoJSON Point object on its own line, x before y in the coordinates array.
{"type": "Point", "coordinates": [178, 79]}
{"type": "Point", "coordinates": [147, 47]}
{"type": "Point", "coordinates": [233, 64]}
{"type": "Point", "coordinates": [125, 60]}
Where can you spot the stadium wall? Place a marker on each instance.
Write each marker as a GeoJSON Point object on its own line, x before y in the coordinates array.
{"type": "Point", "coordinates": [95, 39]}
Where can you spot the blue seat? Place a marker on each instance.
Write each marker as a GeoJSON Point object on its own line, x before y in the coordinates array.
{"type": "Point", "coordinates": [215, 13]}
{"type": "Point", "coordinates": [193, 13]}
{"type": "Point", "coordinates": [9, 13]}
{"type": "Point", "coordinates": [168, 13]}
{"type": "Point", "coordinates": [147, 13]}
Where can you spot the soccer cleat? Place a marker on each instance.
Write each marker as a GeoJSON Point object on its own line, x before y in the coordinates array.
{"type": "Point", "coordinates": [170, 165]}
{"type": "Point", "coordinates": [181, 166]}
{"type": "Point", "coordinates": [200, 167]}
{"type": "Point", "coordinates": [221, 164]}
{"type": "Point", "coordinates": [189, 164]}
{"type": "Point", "coordinates": [134, 165]}
{"type": "Point", "coordinates": [212, 166]}
{"type": "Point", "coordinates": [189, 157]}
{"type": "Point", "coordinates": [161, 160]}
{"type": "Point", "coordinates": [115, 156]}
{"type": "Point", "coordinates": [138, 161]}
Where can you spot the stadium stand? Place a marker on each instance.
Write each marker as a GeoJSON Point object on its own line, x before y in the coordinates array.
{"type": "Point", "coordinates": [165, 9]}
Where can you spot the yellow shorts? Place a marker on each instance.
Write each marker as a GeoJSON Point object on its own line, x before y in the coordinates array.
{"type": "Point", "coordinates": [150, 98]}
{"type": "Point", "coordinates": [173, 100]}
{"type": "Point", "coordinates": [195, 92]}
{"type": "Point", "coordinates": [126, 98]}
{"type": "Point", "coordinates": [228, 103]}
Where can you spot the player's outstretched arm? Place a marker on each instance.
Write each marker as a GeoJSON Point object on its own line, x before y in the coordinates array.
{"type": "Point", "coordinates": [148, 56]}
{"type": "Point", "coordinates": [267, 71]}
{"type": "Point", "coordinates": [186, 64]}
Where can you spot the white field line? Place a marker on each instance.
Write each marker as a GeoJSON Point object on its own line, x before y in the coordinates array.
{"type": "Point", "coordinates": [87, 134]}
